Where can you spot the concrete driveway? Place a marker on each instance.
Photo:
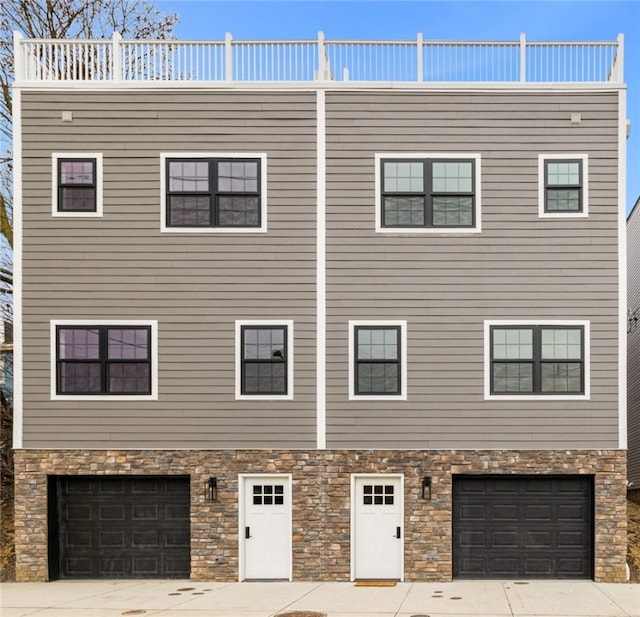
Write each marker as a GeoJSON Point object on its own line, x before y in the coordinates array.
{"type": "Point", "coordinates": [189, 599]}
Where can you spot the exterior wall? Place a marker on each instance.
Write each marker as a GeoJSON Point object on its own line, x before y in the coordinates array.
{"type": "Point", "coordinates": [321, 502]}
{"type": "Point", "coordinates": [633, 345]}
{"type": "Point", "coordinates": [446, 284]}
{"type": "Point", "coordinates": [196, 285]}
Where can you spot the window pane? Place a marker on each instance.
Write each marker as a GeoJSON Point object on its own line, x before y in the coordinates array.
{"type": "Point", "coordinates": [188, 176]}
{"type": "Point", "coordinates": [76, 172]}
{"type": "Point", "coordinates": [264, 378]}
{"type": "Point", "coordinates": [241, 211]}
{"type": "Point", "coordinates": [263, 344]}
{"type": "Point", "coordinates": [452, 177]}
{"type": "Point", "coordinates": [512, 377]}
{"type": "Point", "coordinates": [563, 173]}
{"type": "Point", "coordinates": [377, 344]}
{"type": "Point", "coordinates": [238, 176]}
{"type": "Point", "coordinates": [378, 378]}
{"type": "Point", "coordinates": [189, 210]}
{"type": "Point", "coordinates": [133, 377]}
{"type": "Point", "coordinates": [78, 344]}
{"type": "Point", "coordinates": [403, 177]}
{"type": "Point", "coordinates": [560, 344]}
{"type": "Point", "coordinates": [512, 344]}
{"type": "Point", "coordinates": [77, 199]}
{"type": "Point", "coordinates": [404, 211]}
{"type": "Point", "coordinates": [77, 378]}
{"type": "Point", "coordinates": [452, 211]}
{"type": "Point", "coordinates": [129, 344]}
{"type": "Point", "coordinates": [563, 200]}
{"type": "Point", "coordinates": [561, 377]}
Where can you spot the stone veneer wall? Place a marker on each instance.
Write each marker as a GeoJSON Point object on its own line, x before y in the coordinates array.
{"type": "Point", "coordinates": [321, 502]}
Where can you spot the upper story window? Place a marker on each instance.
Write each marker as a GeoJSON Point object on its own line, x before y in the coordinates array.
{"type": "Point", "coordinates": [563, 186]}
{"type": "Point", "coordinates": [544, 359]}
{"type": "Point", "coordinates": [99, 359]}
{"type": "Point", "coordinates": [77, 184]}
{"type": "Point", "coordinates": [214, 192]}
{"type": "Point", "coordinates": [427, 192]}
{"type": "Point", "coordinates": [264, 365]}
{"type": "Point", "coordinates": [377, 352]}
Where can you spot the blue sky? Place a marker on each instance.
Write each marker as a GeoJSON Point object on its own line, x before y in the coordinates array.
{"type": "Point", "coordinates": [540, 20]}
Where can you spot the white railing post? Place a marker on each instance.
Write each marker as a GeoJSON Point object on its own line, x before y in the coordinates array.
{"type": "Point", "coordinates": [18, 57]}
{"type": "Point", "coordinates": [321, 74]}
{"type": "Point", "coordinates": [523, 57]}
{"type": "Point", "coordinates": [116, 51]}
{"type": "Point", "coordinates": [228, 57]}
{"type": "Point", "coordinates": [619, 60]}
{"type": "Point", "coordinates": [420, 62]}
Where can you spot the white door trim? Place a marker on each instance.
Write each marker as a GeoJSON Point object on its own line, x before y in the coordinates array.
{"type": "Point", "coordinates": [242, 478]}
{"type": "Point", "coordinates": [354, 477]}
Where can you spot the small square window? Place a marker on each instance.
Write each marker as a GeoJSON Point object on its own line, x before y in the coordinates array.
{"type": "Point", "coordinates": [77, 185]}
{"type": "Point", "coordinates": [377, 360]}
{"type": "Point", "coordinates": [264, 366]}
{"type": "Point", "coordinates": [563, 186]}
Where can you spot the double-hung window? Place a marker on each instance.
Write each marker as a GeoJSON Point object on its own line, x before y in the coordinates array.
{"type": "Point", "coordinates": [77, 184]}
{"type": "Point", "coordinates": [103, 359]}
{"type": "Point", "coordinates": [378, 359]}
{"type": "Point", "coordinates": [427, 193]}
{"type": "Point", "coordinates": [264, 359]}
{"type": "Point", "coordinates": [214, 193]}
{"type": "Point", "coordinates": [545, 359]}
{"type": "Point", "coordinates": [563, 185]}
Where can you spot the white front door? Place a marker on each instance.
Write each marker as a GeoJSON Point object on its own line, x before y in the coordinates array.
{"type": "Point", "coordinates": [265, 532]}
{"type": "Point", "coordinates": [378, 528]}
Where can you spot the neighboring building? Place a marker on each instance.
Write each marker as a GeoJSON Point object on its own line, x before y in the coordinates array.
{"type": "Point", "coordinates": [320, 311]}
{"type": "Point", "coordinates": [633, 345]}
{"type": "Point", "coordinates": [6, 359]}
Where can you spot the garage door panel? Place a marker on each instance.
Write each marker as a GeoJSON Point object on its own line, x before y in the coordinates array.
{"type": "Point", "coordinates": [124, 527]}
{"type": "Point", "coordinates": [527, 526]}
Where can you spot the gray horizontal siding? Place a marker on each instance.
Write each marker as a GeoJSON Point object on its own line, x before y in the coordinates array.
{"type": "Point", "coordinates": [633, 349]}
{"type": "Point", "coordinates": [195, 285]}
{"type": "Point", "coordinates": [446, 285]}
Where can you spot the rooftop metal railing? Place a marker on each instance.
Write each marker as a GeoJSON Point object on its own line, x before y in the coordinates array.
{"type": "Point", "coordinates": [319, 60]}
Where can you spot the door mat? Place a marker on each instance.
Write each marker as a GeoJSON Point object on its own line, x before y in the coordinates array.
{"type": "Point", "coordinates": [376, 583]}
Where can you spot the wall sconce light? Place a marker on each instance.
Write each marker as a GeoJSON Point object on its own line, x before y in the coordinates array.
{"type": "Point", "coordinates": [211, 489]}
{"type": "Point", "coordinates": [426, 487]}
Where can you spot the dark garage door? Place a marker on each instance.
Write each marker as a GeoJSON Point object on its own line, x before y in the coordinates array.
{"type": "Point", "coordinates": [522, 526]}
{"type": "Point", "coordinates": [122, 527]}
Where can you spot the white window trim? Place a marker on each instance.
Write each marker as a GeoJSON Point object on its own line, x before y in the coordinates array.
{"type": "Point", "coordinates": [403, 360]}
{"type": "Point", "coordinates": [288, 323]}
{"type": "Point", "coordinates": [55, 157]}
{"type": "Point", "coordinates": [585, 324]}
{"type": "Point", "coordinates": [585, 186]}
{"type": "Point", "coordinates": [152, 323]}
{"type": "Point", "coordinates": [429, 230]}
{"type": "Point", "coordinates": [209, 155]}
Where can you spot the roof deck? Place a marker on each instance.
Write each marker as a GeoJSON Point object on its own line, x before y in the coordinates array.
{"type": "Point", "coordinates": [321, 62]}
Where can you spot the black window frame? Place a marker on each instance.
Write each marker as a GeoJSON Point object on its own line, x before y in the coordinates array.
{"type": "Point", "coordinates": [62, 186]}
{"type": "Point", "coordinates": [213, 193]}
{"type": "Point", "coordinates": [283, 360]}
{"type": "Point", "coordinates": [357, 361]}
{"type": "Point", "coordinates": [563, 187]}
{"type": "Point", "coordinates": [427, 194]}
{"type": "Point", "coordinates": [103, 359]}
{"type": "Point", "coordinates": [536, 360]}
